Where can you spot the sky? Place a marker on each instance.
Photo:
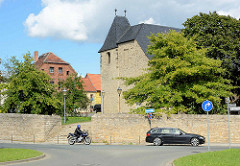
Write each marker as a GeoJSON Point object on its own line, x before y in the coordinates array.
{"type": "Point", "coordinates": [75, 30]}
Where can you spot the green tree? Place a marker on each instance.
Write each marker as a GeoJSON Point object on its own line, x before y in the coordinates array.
{"type": "Point", "coordinates": [76, 97]}
{"type": "Point", "coordinates": [220, 35]}
{"type": "Point", "coordinates": [179, 78]}
{"type": "Point", "coordinates": [28, 90]}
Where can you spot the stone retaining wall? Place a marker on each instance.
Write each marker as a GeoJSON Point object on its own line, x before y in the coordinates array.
{"type": "Point", "coordinates": [128, 128]}
{"type": "Point", "coordinates": [27, 127]}
{"type": "Point", "coordinates": [116, 128]}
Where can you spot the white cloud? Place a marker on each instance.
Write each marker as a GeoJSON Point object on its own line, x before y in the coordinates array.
{"type": "Point", "coordinates": [59, 19]}
{"type": "Point", "coordinates": [232, 12]}
{"type": "Point", "coordinates": [149, 21]}
{"type": "Point", "coordinates": [89, 20]}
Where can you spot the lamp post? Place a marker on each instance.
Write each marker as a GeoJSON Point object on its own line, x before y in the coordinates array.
{"type": "Point", "coordinates": [103, 93]}
{"type": "Point", "coordinates": [119, 90]}
{"type": "Point", "coordinates": [64, 94]}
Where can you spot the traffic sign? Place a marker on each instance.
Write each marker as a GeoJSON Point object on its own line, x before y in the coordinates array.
{"type": "Point", "coordinates": [207, 105]}
{"type": "Point", "coordinates": [149, 116]}
{"type": "Point", "coordinates": [150, 110]}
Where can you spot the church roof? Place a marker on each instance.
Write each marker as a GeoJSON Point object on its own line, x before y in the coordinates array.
{"type": "Point", "coordinates": [139, 32]}
{"type": "Point", "coordinates": [118, 27]}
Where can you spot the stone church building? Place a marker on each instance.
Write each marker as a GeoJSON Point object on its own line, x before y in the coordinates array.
{"type": "Point", "coordinates": [124, 54]}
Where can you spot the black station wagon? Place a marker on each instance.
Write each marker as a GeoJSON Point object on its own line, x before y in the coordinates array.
{"type": "Point", "coordinates": [160, 136]}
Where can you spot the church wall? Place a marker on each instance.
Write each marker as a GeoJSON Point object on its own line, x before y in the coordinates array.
{"type": "Point", "coordinates": [128, 60]}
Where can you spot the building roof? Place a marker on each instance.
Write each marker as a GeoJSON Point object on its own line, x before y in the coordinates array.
{"type": "Point", "coordinates": [118, 27]}
{"type": "Point", "coordinates": [139, 32]}
{"type": "Point", "coordinates": [49, 58]}
{"type": "Point", "coordinates": [92, 82]}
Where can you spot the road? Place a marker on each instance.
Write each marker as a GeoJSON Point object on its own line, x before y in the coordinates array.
{"type": "Point", "coordinates": [108, 155]}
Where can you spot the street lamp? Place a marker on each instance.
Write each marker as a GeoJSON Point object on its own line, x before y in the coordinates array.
{"type": "Point", "coordinates": [103, 93]}
{"type": "Point", "coordinates": [119, 90]}
{"type": "Point", "coordinates": [64, 94]}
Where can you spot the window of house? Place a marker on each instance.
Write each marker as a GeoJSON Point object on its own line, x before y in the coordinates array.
{"type": "Point", "coordinates": [109, 57]}
{"type": "Point", "coordinates": [67, 72]}
{"type": "Point", "coordinates": [60, 70]}
{"type": "Point", "coordinates": [51, 69]}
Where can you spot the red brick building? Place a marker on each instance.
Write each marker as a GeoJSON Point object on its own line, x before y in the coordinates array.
{"type": "Point", "coordinates": [54, 66]}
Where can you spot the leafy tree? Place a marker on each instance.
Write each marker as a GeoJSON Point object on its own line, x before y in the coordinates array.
{"type": "Point", "coordinates": [220, 35]}
{"type": "Point", "coordinates": [179, 78]}
{"type": "Point", "coordinates": [28, 90]}
{"type": "Point", "coordinates": [75, 98]}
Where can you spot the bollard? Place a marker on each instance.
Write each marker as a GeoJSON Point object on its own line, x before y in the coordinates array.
{"type": "Point", "coordinates": [139, 141]}
{"type": "Point", "coordinates": [33, 138]}
{"type": "Point", "coordinates": [11, 138]}
{"type": "Point", "coordinates": [58, 139]}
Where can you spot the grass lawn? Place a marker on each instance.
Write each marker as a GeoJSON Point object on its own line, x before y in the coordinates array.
{"type": "Point", "coordinates": [71, 120]}
{"type": "Point", "coordinates": [228, 157]}
{"type": "Point", "coordinates": [17, 154]}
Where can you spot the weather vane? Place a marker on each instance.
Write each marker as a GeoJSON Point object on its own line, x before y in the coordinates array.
{"type": "Point", "coordinates": [115, 12]}
{"type": "Point", "coordinates": [125, 11]}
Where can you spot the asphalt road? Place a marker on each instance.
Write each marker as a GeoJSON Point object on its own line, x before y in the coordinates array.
{"type": "Point", "coordinates": [108, 155]}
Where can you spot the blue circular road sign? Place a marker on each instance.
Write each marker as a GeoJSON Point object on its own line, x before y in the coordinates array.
{"type": "Point", "coordinates": [207, 105]}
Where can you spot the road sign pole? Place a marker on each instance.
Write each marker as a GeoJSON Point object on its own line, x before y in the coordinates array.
{"type": "Point", "coordinates": [208, 132]}
{"type": "Point", "coordinates": [207, 106]}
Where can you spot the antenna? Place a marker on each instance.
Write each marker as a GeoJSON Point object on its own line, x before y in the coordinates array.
{"type": "Point", "coordinates": [115, 12]}
{"type": "Point", "coordinates": [125, 11]}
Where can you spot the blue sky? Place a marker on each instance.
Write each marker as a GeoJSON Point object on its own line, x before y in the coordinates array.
{"type": "Point", "coordinates": [75, 30]}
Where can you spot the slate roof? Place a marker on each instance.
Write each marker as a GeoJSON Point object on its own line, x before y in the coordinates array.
{"type": "Point", "coordinates": [126, 33]}
{"type": "Point", "coordinates": [92, 82]}
{"type": "Point", "coordinates": [118, 27]}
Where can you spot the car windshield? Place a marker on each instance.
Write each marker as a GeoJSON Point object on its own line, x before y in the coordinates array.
{"type": "Point", "coordinates": [181, 131]}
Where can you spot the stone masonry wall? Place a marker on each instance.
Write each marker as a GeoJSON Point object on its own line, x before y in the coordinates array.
{"type": "Point", "coordinates": [128, 60]}
{"type": "Point", "coordinates": [128, 128]}
{"type": "Point", "coordinates": [27, 127]}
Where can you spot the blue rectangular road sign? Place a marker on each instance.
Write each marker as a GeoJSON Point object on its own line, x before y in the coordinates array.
{"type": "Point", "coordinates": [150, 110]}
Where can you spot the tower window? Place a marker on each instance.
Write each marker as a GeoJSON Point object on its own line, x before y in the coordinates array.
{"type": "Point", "coordinates": [109, 57]}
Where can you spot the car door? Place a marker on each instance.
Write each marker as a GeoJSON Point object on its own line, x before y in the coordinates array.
{"type": "Point", "coordinates": [179, 137]}
{"type": "Point", "coordinates": [166, 135]}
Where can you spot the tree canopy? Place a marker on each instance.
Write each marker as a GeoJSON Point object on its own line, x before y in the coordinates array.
{"type": "Point", "coordinates": [179, 78]}
{"type": "Point", "coordinates": [220, 36]}
{"type": "Point", "coordinates": [28, 90]}
{"type": "Point", "coordinates": [75, 97]}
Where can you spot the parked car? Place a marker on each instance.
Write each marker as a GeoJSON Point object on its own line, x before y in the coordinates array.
{"type": "Point", "coordinates": [160, 136]}
{"type": "Point", "coordinates": [97, 108]}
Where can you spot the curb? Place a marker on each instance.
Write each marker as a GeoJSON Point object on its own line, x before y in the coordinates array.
{"type": "Point", "coordinates": [24, 160]}
{"type": "Point", "coordinates": [170, 163]}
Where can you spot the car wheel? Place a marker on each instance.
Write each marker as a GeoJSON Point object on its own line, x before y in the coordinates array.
{"type": "Point", "coordinates": [157, 142]}
{"type": "Point", "coordinates": [194, 142]}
